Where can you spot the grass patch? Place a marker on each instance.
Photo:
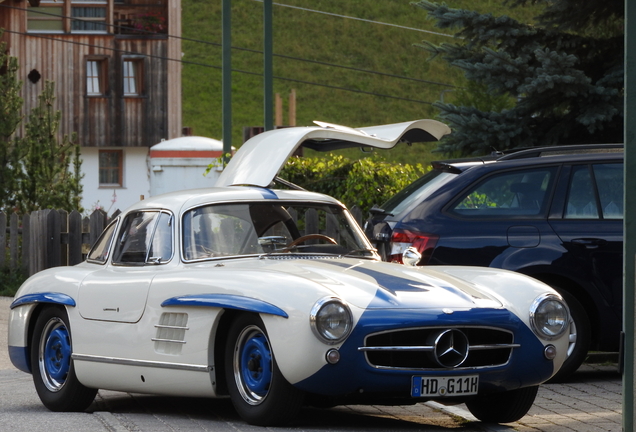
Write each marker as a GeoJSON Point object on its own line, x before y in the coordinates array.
{"type": "Point", "coordinates": [302, 34]}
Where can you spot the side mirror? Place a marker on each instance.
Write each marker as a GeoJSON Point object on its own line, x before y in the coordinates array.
{"type": "Point", "coordinates": [411, 257]}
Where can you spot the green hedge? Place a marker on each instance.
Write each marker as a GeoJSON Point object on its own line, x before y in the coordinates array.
{"type": "Point", "coordinates": [363, 183]}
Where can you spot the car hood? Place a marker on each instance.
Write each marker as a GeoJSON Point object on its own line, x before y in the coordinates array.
{"type": "Point", "coordinates": [261, 158]}
{"type": "Point", "coordinates": [379, 285]}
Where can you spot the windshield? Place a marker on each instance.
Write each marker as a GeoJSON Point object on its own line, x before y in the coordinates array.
{"type": "Point", "coordinates": [239, 229]}
{"type": "Point", "coordinates": [417, 191]}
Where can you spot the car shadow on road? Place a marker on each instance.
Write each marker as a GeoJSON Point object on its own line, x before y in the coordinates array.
{"type": "Point", "coordinates": [358, 418]}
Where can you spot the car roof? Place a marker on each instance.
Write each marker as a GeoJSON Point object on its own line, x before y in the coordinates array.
{"type": "Point", "coordinates": [181, 201]}
{"type": "Point", "coordinates": [259, 160]}
{"type": "Point", "coordinates": [566, 153]}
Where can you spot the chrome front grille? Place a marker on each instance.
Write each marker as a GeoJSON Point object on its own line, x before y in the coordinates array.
{"type": "Point", "coordinates": [440, 348]}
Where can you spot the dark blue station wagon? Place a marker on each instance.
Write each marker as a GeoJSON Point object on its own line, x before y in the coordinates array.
{"type": "Point", "coordinates": [554, 213]}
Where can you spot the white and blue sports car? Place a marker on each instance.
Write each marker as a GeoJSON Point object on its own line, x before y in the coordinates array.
{"type": "Point", "coordinates": [276, 299]}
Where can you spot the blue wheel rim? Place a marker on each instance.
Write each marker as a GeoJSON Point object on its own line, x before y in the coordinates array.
{"type": "Point", "coordinates": [253, 365]}
{"type": "Point", "coordinates": [55, 354]}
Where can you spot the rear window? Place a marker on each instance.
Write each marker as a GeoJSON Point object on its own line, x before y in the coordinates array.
{"type": "Point", "coordinates": [417, 191]}
{"type": "Point", "coordinates": [588, 182]}
{"type": "Point", "coordinates": [512, 193]}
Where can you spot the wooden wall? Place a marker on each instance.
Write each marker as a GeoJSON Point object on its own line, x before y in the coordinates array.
{"type": "Point", "coordinates": [111, 120]}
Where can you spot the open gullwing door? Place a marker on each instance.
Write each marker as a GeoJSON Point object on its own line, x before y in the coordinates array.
{"type": "Point", "coordinates": [261, 158]}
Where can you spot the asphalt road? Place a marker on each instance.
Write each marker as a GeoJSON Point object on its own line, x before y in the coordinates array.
{"type": "Point", "coordinates": [21, 410]}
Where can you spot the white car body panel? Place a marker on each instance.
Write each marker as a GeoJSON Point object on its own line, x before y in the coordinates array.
{"type": "Point", "coordinates": [124, 302]}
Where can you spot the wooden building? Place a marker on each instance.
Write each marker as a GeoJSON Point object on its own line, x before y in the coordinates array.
{"type": "Point", "coordinates": [115, 64]}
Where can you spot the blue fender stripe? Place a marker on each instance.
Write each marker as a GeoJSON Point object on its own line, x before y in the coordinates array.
{"type": "Point", "coordinates": [47, 297]}
{"type": "Point", "coordinates": [229, 301]}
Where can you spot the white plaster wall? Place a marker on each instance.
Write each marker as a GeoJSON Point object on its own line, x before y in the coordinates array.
{"type": "Point", "coordinates": [135, 180]}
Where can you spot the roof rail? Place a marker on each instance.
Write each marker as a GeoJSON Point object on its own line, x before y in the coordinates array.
{"type": "Point", "coordinates": [560, 150]}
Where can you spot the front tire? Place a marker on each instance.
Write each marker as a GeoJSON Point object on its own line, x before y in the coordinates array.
{"type": "Point", "coordinates": [259, 392]}
{"type": "Point", "coordinates": [53, 371]}
{"type": "Point", "coordinates": [503, 407]}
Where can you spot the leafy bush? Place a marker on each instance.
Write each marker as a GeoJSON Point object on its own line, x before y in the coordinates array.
{"type": "Point", "coordinates": [361, 183]}
{"type": "Point", "coordinates": [10, 281]}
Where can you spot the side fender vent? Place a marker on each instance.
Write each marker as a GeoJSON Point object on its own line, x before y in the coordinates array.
{"type": "Point", "coordinates": [171, 332]}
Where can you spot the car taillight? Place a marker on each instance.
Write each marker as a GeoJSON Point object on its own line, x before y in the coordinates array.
{"type": "Point", "coordinates": [403, 239]}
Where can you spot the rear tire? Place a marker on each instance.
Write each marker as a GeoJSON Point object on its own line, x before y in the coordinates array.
{"type": "Point", "coordinates": [53, 371]}
{"type": "Point", "coordinates": [580, 337]}
{"type": "Point", "coordinates": [259, 392]}
{"type": "Point", "coordinates": [504, 407]}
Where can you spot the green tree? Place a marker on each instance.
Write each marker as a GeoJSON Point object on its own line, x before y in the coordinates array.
{"type": "Point", "coordinates": [564, 74]}
{"type": "Point", "coordinates": [10, 118]}
{"type": "Point", "coordinates": [47, 180]}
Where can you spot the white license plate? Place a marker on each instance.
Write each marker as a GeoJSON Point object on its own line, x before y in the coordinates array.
{"type": "Point", "coordinates": [444, 386]}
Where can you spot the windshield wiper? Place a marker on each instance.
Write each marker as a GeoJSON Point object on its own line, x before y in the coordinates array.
{"type": "Point", "coordinates": [354, 252]}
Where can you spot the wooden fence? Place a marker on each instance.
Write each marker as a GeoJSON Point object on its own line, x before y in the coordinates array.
{"type": "Point", "coordinates": [51, 238]}
{"type": "Point", "coordinates": [47, 238]}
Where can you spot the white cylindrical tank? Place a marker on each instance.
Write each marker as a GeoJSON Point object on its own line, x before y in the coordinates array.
{"type": "Point", "coordinates": [180, 163]}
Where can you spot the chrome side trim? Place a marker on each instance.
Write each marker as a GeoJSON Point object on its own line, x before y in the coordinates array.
{"type": "Point", "coordinates": [171, 327]}
{"type": "Point", "coordinates": [168, 340]}
{"type": "Point", "coordinates": [143, 363]}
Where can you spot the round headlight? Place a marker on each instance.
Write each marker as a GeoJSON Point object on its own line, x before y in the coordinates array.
{"type": "Point", "coordinates": [331, 320]}
{"type": "Point", "coordinates": [549, 316]}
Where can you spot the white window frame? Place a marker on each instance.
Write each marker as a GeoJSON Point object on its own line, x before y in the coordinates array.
{"type": "Point", "coordinates": [132, 76]}
{"type": "Point", "coordinates": [96, 76]}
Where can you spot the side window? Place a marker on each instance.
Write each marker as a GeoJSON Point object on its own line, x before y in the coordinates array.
{"type": "Point", "coordinates": [99, 252]}
{"type": "Point", "coordinates": [161, 246]}
{"type": "Point", "coordinates": [581, 201]}
{"type": "Point", "coordinates": [111, 168]}
{"type": "Point", "coordinates": [96, 76]}
{"type": "Point", "coordinates": [132, 76]}
{"type": "Point", "coordinates": [46, 18]}
{"type": "Point", "coordinates": [609, 181]}
{"type": "Point", "coordinates": [516, 193]}
{"type": "Point", "coordinates": [135, 238]}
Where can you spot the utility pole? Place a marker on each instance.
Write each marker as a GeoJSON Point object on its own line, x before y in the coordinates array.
{"type": "Point", "coordinates": [629, 219]}
{"type": "Point", "coordinates": [268, 65]}
{"type": "Point", "coordinates": [227, 78]}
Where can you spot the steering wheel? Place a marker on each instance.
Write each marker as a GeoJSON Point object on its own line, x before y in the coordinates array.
{"type": "Point", "coordinates": [304, 238]}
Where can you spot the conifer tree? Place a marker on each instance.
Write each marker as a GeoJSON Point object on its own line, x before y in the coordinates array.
{"type": "Point", "coordinates": [564, 74]}
{"type": "Point", "coordinates": [48, 181]}
{"type": "Point", "coordinates": [10, 118]}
